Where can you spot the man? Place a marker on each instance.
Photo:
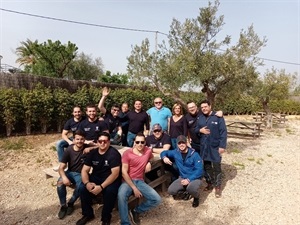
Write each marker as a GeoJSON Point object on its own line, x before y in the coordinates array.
{"type": "Point", "coordinates": [135, 162]}
{"type": "Point", "coordinates": [91, 126]}
{"type": "Point", "coordinates": [192, 119]}
{"type": "Point", "coordinates": [159, 140]}
{"type": "Point", "coordinates": [138, 121]}
{"type": "Point", "coordinates": [160, 114]}
{"type": "Point", "coordinates": [105, 163]}
{"type": "Point", "coordinates": [124, 122]}
{"type": "Point", "coordinates": [190, 169]}
{"type": "Point", "coordinates": [70, 127]}
{"type": "Point", "coordinates": [213, 139]}
{"type": "Point", "coordinates": [111, 118]}
{"type": "Point", "coordinates": [73, 157]}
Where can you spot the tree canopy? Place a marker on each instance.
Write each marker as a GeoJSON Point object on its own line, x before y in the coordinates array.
{"type": "Point", "coordinates": [196, 57]}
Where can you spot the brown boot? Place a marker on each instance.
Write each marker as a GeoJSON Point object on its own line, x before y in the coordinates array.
{"type": "Point", "coordinates": [218, 192]}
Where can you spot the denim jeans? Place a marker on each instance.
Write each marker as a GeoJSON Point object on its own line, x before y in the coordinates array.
{"type": "Point", "coordinates": [130, 138]}
{"type": "Point", "coordinates": [110, 194]}
{"type": "Point", "coordinates": [192, 188]}
{"type": "Point", "coordinates": [75, 179]}
{"type": "Point", "coordinates": [60, 148]}
{"type": "Point", "coordinates": [173, 143]}
{"type": "Point", "coordinates": [152, 199]}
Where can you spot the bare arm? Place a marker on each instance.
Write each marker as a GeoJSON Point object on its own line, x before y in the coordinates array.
{"type": "Point", "coordinates": [64, 135]}
{"type": "Point", "coordinates": [105, 92]}
{"type": "Point", "coordinates": [159, 150]}
{"type": "Point", "coordinates": [128, 180]}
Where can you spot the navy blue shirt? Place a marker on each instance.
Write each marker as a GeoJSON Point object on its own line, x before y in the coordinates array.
{"type": "Point", "coordinates": [93, 129]}
{"type": "Point", "coordinates": [112, 122]}
{"type": "Point", "coordinates": [158, 143]}
{"type": "Point", "coordinates": [178, 128]}
{"type": "Point", "coordinates": [72, 125]}
{"type": "Point", "coordinates": [192, 121]}
{"type": "Point", "coordinates": [137, 121]}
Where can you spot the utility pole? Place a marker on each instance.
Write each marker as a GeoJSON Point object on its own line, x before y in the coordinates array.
{"type": "Point", "coordinates": [1, 57]}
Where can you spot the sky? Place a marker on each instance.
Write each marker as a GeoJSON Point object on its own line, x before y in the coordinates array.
{"type": "Point", "coordinates": [277, 20]}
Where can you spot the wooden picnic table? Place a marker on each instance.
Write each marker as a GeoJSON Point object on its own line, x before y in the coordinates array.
{"type": "Point", "coordinates": [253, 127]}
{"type": "Point", "coordinates": [277, 117]}
{"type": "Point", "coordinates": [162, 180]}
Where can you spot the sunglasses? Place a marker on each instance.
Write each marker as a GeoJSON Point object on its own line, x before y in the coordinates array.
{"type": "Point", "coordinates": [103, 141]}
{"type": "Point", "coordinates": [156, 131]}
{"type": "Point", "coordinates": [116, 110]}
{"type": "Point", "coordinates": [140, 142]}
{"type": "Point", "coordinates": [157, 102]}
{"type": "Point", "coordinates": [181, 142]}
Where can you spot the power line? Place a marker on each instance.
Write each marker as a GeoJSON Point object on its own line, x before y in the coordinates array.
{"type": "Point", "coordinates": [83, 23]}
{"type": "Point", "coordinates": [119, 28]}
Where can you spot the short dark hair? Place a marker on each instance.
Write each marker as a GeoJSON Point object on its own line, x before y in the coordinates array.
{"type": "Point", "coordinates": [105, 134]}
{"type": "Point", "coordinates": [140, 134]}
{"type": "Point", "coordinates": [115, 106]}
{"type": "Point", "coordinates": [205, 102]}
{"type": "Point", "coordinates": [80, 133]}
{"type": "Point", "coordinates": [91, 106]}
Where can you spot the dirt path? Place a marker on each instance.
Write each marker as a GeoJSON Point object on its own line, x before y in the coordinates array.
{"type": "Point", "coordinates": [261, 184]}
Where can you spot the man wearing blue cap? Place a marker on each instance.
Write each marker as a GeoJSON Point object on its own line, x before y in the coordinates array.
{"type": "Point", "coordinates": [190, 166]}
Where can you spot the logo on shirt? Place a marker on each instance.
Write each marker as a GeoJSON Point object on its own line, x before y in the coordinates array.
{"type": "Point", "coordinates": [97, 128]}
{"type": "Point", "coordinates": [214, 122]}
{"type": "Point", "coordinates": [87, 129]}
{"type": "Point", "coordinates": [95, 163]}
{"type": "Point", "coordinates": [106, 163]}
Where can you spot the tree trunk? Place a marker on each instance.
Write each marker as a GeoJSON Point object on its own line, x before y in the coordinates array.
{"type": "Point", "coordinates": [9, 128]}
{"type": "Point", "coordinates": [28, 126]}
{"type": "Point", "coordinates": [269, 118]}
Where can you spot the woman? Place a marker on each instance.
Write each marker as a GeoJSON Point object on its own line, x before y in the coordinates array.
{"type": "Point", "coordinates": [178, 125]}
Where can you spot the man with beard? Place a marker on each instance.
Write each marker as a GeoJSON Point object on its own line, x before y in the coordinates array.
{"type": "Point", "coordinates": [213, 139]}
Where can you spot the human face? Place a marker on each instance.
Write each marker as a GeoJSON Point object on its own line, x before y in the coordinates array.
{"type": "Point", "coordinates": [192, 108]}
{"type": "Point", "coordinates": [77, 113]}
{"type": "Point", "coordinates": [139, 143]}
{"type": "Point", "coordinates": [115, 111]}
{"type": "Point", "coordinates": [182, 146]}
{"type": "Point", "coordinates": [137, 105]}
{"type": "Point", "coordinates": [103, 143]}
{"type": "Point", "coordinates": [124, 107]}
{"type": "Point", "coordinates": [79, 140]}
{"type": "Point", "coordinates": [91, 113]}
{"type": "Point", "coordinates": [158, 103]}
{"type": "Point", "coordinates": [157, 133]}
{"type": "Point", "coordinates": [205, 108]}
{"type": "Point", "coordinates": [177, 110]}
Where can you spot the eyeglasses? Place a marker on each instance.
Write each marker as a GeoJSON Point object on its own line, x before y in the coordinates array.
{"type": "Point", "coordinates": [103, 141]}
{"type": "Point", "coordinates": [140, 142]}
{"type": "Point", "coordinates": [157, 102]}
{"type": "Point", "coordinates": [181, 142]}
{"type": "Point", "coordinates": [156, 131]}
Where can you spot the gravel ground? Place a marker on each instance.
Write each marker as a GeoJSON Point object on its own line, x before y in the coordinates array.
{"type": "Point", "coordinates": [261, 184]}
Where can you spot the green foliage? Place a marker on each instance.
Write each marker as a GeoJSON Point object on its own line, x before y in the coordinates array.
{"type": "Point", "coordinates": [114, 78]}
{"type": "Point", "coordinates": [11, 108]}
{"type": "Point", "coordinates": [47, 58]}
{"type": "Point", "coordinates": [83, 67]}
{"type": "Point", "coordinates": [192, 58]}
{"type": "Point", "coordinates": [82, 97]}
{"type": "Point", "coordinates": [17, 144]}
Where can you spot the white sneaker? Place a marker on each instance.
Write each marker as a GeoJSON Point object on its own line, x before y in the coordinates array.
{"type": "Point", "coordinates": [56, 168]}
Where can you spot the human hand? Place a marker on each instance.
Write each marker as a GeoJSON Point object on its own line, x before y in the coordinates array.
{"type": "Point", "coordinates": [185, 182]}
{"type": "Point", "coordinates": [66, 181]}
{"type": "Point", "coordinates": [105, 91]}
{"type": "Point", "coordinates": [204, 130]}
{"type": "Point", "coordinates": [96, 190]}
{"type": "Point", "coordinates": [167, 161]}
{"type": "Point", "coordinates": [148, 167]}
{"type": "Point", "coordinates": [221, 150]}
{"type": "Point", "coordinates": [137, 193]}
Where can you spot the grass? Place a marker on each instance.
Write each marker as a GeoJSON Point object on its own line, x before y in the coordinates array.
{"type": "Point", "coordinates": [237, 151]}
{"type": "Point", "coordinates": [16, 144]}
{"type": "Point", "coordinates": [238, 164]}
{"type": "Point", "coordinates": [251, 159]}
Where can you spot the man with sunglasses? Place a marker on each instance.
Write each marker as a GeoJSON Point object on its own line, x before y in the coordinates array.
{"type": "Point", "coordinates": [135, 162]}
{"type": "Point", "coordinates": [111, 118]}
{"type": "Point", "coordinates": [190, 166]}
{"type": "Point", "coordinates": [160, 114]}
{"type": "Point", "coordinates": [105, 162]}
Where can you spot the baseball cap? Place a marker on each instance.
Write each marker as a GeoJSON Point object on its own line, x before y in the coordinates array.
{"type": "Point", "coordinates": [157, 126]}
{"type": "Point", "coordinates": [181, 138]}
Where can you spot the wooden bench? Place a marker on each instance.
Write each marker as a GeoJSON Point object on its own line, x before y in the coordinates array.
{"type": "Point", "coordinates": [253, 127]}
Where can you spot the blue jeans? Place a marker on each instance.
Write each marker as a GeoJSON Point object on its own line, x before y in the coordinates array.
{"type": "Point", "coordinates": [152, 199]}
{"type": "Point", "coordinates": [173, 143]}
{"type": "Point", "coordinates": [75, 179]}
{"type": "Point", "coordinates": [130, 138]}
{"type": "Point", "coordinates": [110, 194]}
{"type": "Point", "coordinates": [60, 148]}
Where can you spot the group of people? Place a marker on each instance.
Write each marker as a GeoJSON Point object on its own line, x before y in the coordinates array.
{"type": "Point", "coordinates": [190, 145]}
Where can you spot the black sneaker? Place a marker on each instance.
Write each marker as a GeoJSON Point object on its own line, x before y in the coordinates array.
{"type": "Point", "coordinates": [134, 217]}
{"type": "Point", "coordinates": [195, 202]}
{"type": "Point", "coordinates": [70, 209]}
{"type": "Point", "coordinates": [209, 187]}
{"type": "Point", "coordinates": [62, 212]}
{"type": "Point", "coordinates": [84, 220]}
